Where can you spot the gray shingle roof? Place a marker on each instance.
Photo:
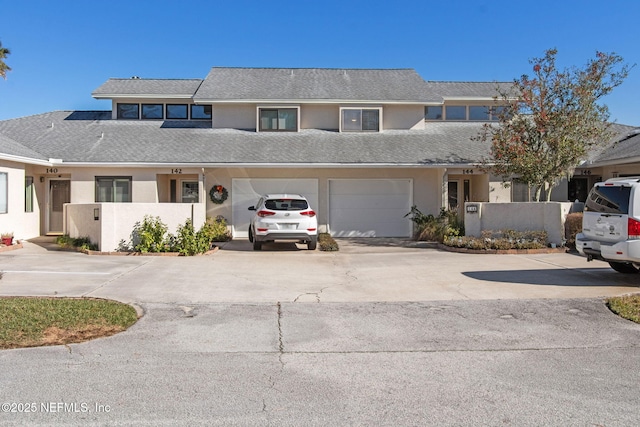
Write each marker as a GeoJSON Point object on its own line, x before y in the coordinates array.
{"type": "Point", "coordinates": [624, 147]}
{"type": "Point", "coordinates": [468, 89]}
{"type": "Point", "coordinates": [313, 84]}
{"type": "Point", "coordinates": [91, 137]}
{"type": "Point", "coordinates": [15, 149]}
{"type": "Point", "coordinates": [161, 88]}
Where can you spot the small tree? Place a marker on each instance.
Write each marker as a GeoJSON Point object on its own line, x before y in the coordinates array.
{"type": "Point", "coordinates": [4, 52]}
{"type": "Point", "coordinates": [548, 123]}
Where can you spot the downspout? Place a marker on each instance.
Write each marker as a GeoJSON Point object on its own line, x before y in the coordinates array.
{"type": "Point", "coordinates": [444, 203]}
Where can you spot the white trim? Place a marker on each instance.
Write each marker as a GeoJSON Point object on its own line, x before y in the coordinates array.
{"type": "Point", "coordinates": [114, 97]}
{"type": "Point", "coordinates": [27, 160]}
{"type": "Point", "coordinates": [312, 101]}
{"type": "Point", "coordinates": [267, 165]}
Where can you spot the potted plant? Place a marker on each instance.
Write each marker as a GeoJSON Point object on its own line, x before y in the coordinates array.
{"type": "Point", "coordinates": [7, 238]}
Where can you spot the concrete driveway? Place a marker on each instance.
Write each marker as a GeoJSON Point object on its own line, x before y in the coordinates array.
{"type": "Point", "coordinates": [238, 338]}
{"type": "Point", "coordinates": [364, 270]}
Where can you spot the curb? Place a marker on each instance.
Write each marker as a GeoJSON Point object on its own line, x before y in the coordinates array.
{"type": "Point", "coordinates": [160, 254]}
{"type": "Point", "coordinates": [17, 245]}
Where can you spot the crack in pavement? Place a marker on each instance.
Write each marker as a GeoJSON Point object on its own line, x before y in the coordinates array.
{"type": "Point", "coordinates": [117, 277]}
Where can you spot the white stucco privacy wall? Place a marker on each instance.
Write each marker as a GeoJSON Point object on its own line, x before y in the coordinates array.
{"type": "Point", "coordinates": [116, 220]}
{"type": "Point", "coordinates": [529, 216]}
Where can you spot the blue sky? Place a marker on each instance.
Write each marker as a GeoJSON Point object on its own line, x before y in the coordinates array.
{"type": "Point", "coordinates": [62, 50]}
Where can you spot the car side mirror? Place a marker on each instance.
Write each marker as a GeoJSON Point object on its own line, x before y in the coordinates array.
{"type": "Point", "coordinates": [252, 208]}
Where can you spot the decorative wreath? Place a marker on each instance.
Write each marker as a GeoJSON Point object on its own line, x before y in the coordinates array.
{"type": "Point", "coordinates": [218, 194]}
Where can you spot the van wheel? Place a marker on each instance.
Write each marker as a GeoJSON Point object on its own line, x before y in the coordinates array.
{"type": "Point", "coordinates": [250, 235]}
{"type": "Point", "coordinates": [257, 245]}
{"type": "Point", "coordinates": [312, 244]}
{"type": "Point", "coordinates": [623, 267]}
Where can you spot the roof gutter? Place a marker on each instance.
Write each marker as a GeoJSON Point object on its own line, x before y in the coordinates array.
{"type": "Point", "coordinates": [28, 160]}
{"type": "Point", "coordinates": [614, 162]}
{"type": "Point", "coordinates": [141, 96]}
{"type": "Point", "coordinates": [313, 101]}
{"type": "Point", "coordinates": [267, 165]}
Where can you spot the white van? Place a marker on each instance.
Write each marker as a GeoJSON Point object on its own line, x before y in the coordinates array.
{"type": "Point", "coordinates": [611, 224]}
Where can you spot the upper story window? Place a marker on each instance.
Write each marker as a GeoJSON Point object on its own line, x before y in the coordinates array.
{"type": "Point", "coordinates": [278, 119]}
{"type": "Point", "coordinates": [359, 120]}
{"type": "Point", "coordinates": [163, 111]}
{"type": "Point", "coordinates": [455, 112]}
{"type": "Point", "coordinates": [463, 112]}
{"type": "Point", "coordinates": [177, 112]}
{"type": "Point", "coordinates": [433, 112]}
{"type": "Point", "coordinates": [152, 112]}
{"type": "Point", "coordinates": [128, 111]}
{"type": "Point", "coordinates": [200, 112]}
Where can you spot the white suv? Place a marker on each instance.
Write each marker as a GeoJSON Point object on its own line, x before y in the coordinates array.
{"type": "Point", "coordinates": [611, 224]}
{"type": "Point", "coordinates": [283, 217]}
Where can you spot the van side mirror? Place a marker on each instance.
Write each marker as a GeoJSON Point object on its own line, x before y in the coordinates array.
{"type": "Point", "coordinates": [252, 208]}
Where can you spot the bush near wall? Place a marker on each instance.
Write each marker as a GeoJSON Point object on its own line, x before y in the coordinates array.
{"type": "Point", "coordinates": [504, 239]}
{"type": "Point", "coordinates": [572, 226]}
{"type": "Point", "coordinates": [327, 243]}
{"type": "Point", "coordinates": [430, 228]}
{"type": "Point", "coordinates": [151, 236]}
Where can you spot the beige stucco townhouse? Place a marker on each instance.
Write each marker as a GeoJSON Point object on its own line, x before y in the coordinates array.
{"type": "Point", "coordinates": [363, 145]}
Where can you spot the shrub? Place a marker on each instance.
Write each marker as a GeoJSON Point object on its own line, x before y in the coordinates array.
{"type": "Point", "coordinates": [327, 243]}
{"type": "Point", "coordinates": [431, 228]}
{"type": "Point", "coordinates": [81, 243]}
{"type": "Point", "coordinates": [572, 226]}
{"type": "Point", "coordinates": [189, 242]}
{"type": "Point", "coordinates": [504, 239]}
{"type": "Point", "coordinates": [215, 229]}
{"type": "Point", "coordinates": [150, 235]}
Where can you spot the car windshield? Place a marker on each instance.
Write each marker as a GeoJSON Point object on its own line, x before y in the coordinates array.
{"type": "Point", "coordinates": [609, 199]}
{"type": "Point", "coordinates": [286, 204]}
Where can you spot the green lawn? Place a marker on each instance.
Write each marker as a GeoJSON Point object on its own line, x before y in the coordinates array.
{"type": "Point", "coordinates": [30, 322]}
{"type": "Point", "coordinates": [627, 306]}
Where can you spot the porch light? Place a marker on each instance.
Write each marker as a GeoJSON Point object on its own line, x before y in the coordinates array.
{"type": "Point", "coordinates": [96, 214]}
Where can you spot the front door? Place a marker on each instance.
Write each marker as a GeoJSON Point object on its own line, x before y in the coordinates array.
{"type": "Point", "coordinates": [59, 194]}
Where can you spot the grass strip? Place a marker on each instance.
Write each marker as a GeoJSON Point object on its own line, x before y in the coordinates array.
{"type": "Point", "coordinates": [30, 322]}
{"type": "Point", "coordinates": [627, 306]}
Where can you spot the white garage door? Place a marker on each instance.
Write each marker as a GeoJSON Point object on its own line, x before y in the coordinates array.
{"type": "Point", "coordinates": [245, 192]}
{"type": "Point", "coordinates": [370, 207]}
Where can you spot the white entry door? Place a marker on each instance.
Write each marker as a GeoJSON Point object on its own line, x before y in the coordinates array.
{"type": "Point", "coordinates": [245, 192]}
{"type": "Point", "coordinates": [59, 194]}
{"type": "Point", "coordinates": [370, 207]}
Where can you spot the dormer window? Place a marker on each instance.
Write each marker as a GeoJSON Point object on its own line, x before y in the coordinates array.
{"type": "Point", "coordinates": [152, 112]}
{"type": "Point", "coordinates": [201, 112]}
{"type": "Point", "coordinates": [128, 111]}
{"type": "Point", "coordinates": [479, 113]}
{"type": "Point", "coordinates": [177, 112]}
{"type": "Point", "coordinates": [360, 120]}
{"type": "Point", "coordinates": [278, 119]}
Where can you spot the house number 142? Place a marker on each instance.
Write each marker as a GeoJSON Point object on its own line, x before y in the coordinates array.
{"type": "Point", "coordinates": [176, 171]}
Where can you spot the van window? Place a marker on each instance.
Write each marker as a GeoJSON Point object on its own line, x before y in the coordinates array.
{"type": "Point", "coordinates": [609, 199]}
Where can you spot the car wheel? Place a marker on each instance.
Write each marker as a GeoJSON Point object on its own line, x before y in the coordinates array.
{"type": "Point", "coordinates": [312, 244]}
{"type": "Point", "coordinates": [623, 267]}
{"type": "Point", "coordinates": [250, 235]}
{"type": "Point", "coordinates": [257, 245]}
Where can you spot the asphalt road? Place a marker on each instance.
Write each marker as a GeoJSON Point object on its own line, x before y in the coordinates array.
{"type": "Point", "coordinates": [299, 359]}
